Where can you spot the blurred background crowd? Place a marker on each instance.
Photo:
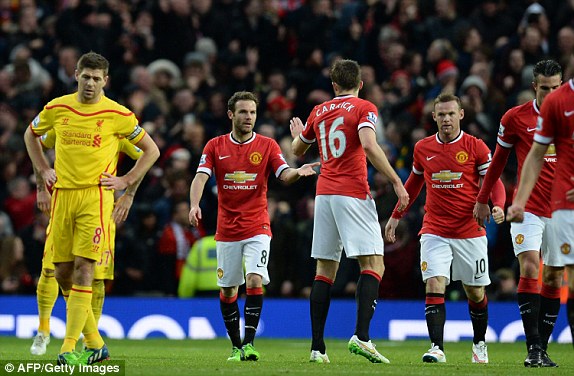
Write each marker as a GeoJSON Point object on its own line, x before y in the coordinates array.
{"type": "Point", "coordinates": [176, 62]}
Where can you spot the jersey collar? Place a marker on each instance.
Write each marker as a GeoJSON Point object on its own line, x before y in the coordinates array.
{"type": "Point", "coordinates": [535, 105]}
{"type": "Point", "coordinates": [233, 140]}
{"type": "Point", "coordinates": [450, 142]}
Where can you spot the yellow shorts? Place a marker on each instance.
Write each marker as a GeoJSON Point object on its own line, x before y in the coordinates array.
{"type": "Point", "coordinates": [104, 269]}
{"type": "Point", "coordinates": [80, 223]}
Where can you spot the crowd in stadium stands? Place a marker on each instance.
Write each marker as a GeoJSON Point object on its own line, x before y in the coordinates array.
{"type": "Point", "coordinates": [176, 62]}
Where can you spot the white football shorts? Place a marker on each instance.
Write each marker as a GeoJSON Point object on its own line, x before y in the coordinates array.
{"type": "Point", "coordinates": [468, 257]}
{"type": "Point", "coordinates": [534, 234]}
{"type": "Point", "coordinates": [563, 235]}
{"type": "Point", "coordinates": [343, 222]}
{"type": "Point", "coordinates": [254, 251]}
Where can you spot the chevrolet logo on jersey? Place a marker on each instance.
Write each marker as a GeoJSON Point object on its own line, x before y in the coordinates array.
{"type": "Point", "coordinates": [446, 176]}
{"type": "Point", "coordinates": [240, 177]}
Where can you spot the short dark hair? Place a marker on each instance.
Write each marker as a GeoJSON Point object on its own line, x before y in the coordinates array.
{"type": "Point", "coordinates": [241, 96]}
{"type": "Point", "coordinates": [547, 68]}
{"type": "Point", "coordinates": [346, 74]}
{"type": "Point", "coordinates": [447, 97]}
{"type": "Point", "coordinates": [92, 60]}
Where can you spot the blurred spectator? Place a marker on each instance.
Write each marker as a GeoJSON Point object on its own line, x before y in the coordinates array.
{"type": "Point", "coordinates": [493, 22]}
{"type": "Point", "coordinates": [505, 282]}
{"type": "Point", "coordinates": [402, 274]}
{"type": "Point", "coordinates": [175, 242]}
{"type": "Point", "coordinates": [21, 203]}
{"type": "Point", "coordinates": [136, 246]}
{"type": "Point", "coordinates": [14, 278]}
{"type": "Point", "coordinates": [33, 237]}
{"type": "Point", "coordinates": [64, 73]}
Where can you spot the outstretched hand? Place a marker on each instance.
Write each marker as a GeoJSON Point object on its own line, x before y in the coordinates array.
{"type": "Point", "coordinates": [296, 127]}
{"type": "Point", "coordinates": [307, 169]}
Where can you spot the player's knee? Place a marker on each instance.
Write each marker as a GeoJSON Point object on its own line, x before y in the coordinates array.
{"type": "Point", "coordinates": [253, 280]}
{"type": "Point", "coordinates": [552, 276]}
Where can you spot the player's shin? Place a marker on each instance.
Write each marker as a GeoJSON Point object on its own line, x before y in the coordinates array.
{"type": "Point", "coordinates": [46, 294]}
{"type": "Point", "coordinates": [549, 308]}
{"type": "Point", "coordinates": [366, 299]}
{"type": "Point", "coordinates": [252, 312]}
{"type": "Point", "coordinates": [528, 299]}
{"type": "Point", "coordinates": [479, 317]}
{"type": "Point", "coordinates": [435, 314]}
{"type": "Point", "coordinates": [230, 313]}
{"type": "Point", "coordinates": [320, 300]}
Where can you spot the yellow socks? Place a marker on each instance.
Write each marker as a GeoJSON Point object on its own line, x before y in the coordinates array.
{"type": "Point", "coordinates": [46, 295]}
{"type": "Point", "coordinates": [98, 295]}
{"type": "Point", "coordinates": [79, 308]}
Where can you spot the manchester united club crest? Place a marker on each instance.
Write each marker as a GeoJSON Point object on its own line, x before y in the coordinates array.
{"type": "Point", "coordinates": [255, 158]}
{"type": "Point", "coordinates": [565, 248]}
{"type": "Point", "coordinates": [424, 266]}
{"type": "Point", "coordinates": [219, 273]}
{"type": "Point", "coordinates": [461, 156]}
{"type": "Point", "coordinates": [519, 239]}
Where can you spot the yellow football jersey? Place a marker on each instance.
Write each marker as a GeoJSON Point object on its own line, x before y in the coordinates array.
{"type": "Point", "coordinates": [87, 137]}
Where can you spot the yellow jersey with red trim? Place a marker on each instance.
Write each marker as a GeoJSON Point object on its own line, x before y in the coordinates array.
{"type": "Point", "coordinates": [87, 137]}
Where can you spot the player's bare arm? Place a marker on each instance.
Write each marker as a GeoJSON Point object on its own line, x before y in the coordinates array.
{"type": "Point", "coordinates": [43, 196]}
{"type": "Point", "coordinates": [37, 157]}
{"type": "Point", "coordinates": [291, 175]}
{"type": "Point", "coordinates": [195, 193]}
{"type": "Point", "coordinates": [124, 203]}
{"type": "Point", "coordinates": [390, 229]}
{"type": "Point", "coordinates": [378, 158]}
{"type": "Point", "coordinates": [533, 163]}
{"type": "Point", "coordinates": [297, 146]}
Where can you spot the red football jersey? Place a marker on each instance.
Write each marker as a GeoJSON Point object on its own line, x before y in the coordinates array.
{"type": "Point", "coordinates": [241, 171]}
{"type": "Point", "coordinates": [335, 126]}
{"type": "Point", "coordinates": [517, 130]}
{"type": "Point", "coordinates": [556, 124]}
{"type": "Point", "coordinates": [451, 173]}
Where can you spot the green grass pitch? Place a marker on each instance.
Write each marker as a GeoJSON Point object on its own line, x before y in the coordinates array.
{"type": "Point", "coordinates": [290, 357]}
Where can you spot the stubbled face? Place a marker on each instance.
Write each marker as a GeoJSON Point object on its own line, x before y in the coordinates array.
{"type": "Point", "coordinates": [91, 84]}
{"type": "Point", "coordinates": [243, 117]}
{"type": "Point", "coordinates": [543, 86]}
{"type": "Point", "coordinates": [447, 116]}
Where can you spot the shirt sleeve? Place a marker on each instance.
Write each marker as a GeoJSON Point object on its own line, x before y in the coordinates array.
{"type": "Point", "coordinates": [207, 159]}
{"type": "Point", "coordinates": [43, 122]}
{"type": "Point", "coordinates": [483, 157]}
{"type": "Point", "coordinates": [276, 159]}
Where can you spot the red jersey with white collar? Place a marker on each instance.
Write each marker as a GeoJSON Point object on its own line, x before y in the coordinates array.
{"type": "Point", "coordinates": [517, 131]}
{"type": "Point", "coordinates": [451, 173]}
{"type": "Point", "coordinates": [335, 126]}
{"type": "Point", "coordinates": [556, 124]}
{"type": "Point", "coordinates": [241, 171]}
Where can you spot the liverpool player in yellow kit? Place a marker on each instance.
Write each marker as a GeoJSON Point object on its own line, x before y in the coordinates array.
{"type": "Point", "coordinates": [88, 128]}
{"type": "Point", "coordinates": [47, 289]}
